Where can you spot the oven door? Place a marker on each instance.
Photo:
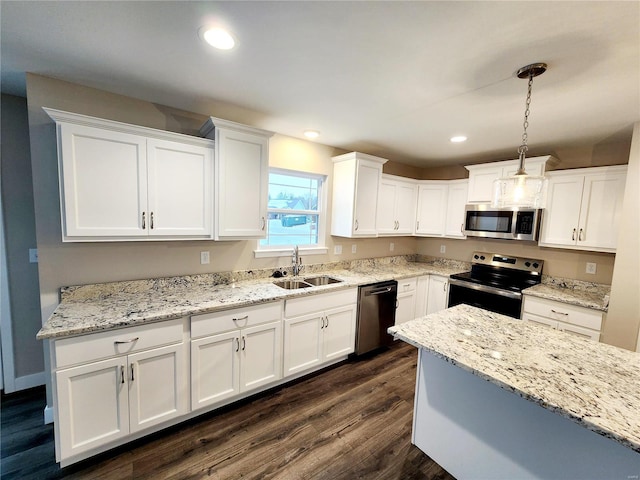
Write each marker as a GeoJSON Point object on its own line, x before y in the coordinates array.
{"type": "Point", "coordinates": [486, 297]}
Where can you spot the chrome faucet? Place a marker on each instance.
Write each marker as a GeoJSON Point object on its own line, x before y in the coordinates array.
{"type": "Point", "coordinates": [297, 261]}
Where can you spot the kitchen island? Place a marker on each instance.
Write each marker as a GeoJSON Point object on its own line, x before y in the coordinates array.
{"type": "Point", "coordinates": [566, 407]}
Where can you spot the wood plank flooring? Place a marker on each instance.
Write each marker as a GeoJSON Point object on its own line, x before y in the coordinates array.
{"type": "Point", "coordinates": [352, 421]}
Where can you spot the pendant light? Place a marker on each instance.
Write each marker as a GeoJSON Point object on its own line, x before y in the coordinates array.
{"type": "Point", "coordinates": [522, 190]}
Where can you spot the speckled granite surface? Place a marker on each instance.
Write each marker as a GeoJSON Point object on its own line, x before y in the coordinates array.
{"type": "Point", "coordinates": [593, 384]}
{"type": "Point", "coordinates": [91, 308]}
{"type": "Point", "coordinates": [574, 292]}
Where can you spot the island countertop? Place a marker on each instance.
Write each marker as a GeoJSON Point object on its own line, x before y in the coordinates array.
{"type": "Point", "coordinates": [593, 384]}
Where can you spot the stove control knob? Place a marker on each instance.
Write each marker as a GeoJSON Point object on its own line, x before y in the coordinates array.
{"type": "Point", "coordinates": [527, 264]}
{"type": "Point", "coordinates": [535, 265]}
{"type": "Point", "coordinates": [476, 257]}
{"type": "Point", "coordinates": [481, 257]}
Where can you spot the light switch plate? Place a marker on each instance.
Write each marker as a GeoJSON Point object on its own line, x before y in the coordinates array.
{"type": "Point", "coordinates": [337, 249]}
{"type": "Point", "coordinates": [391, 247]}
{"type": "Point", "coordinates": [443, 248]}
{"type": "Point", "coordinates": [204, 258]}
{"type": "Point", "coordinates": [354, 248]}
{"type": "Point", "coordinates": [591, 268]}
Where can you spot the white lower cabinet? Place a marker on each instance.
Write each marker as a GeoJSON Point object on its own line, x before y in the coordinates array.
{"type": "Point", "coordinates": [318, 329]}
{"type": "Point", "coordinates": [98, 402]}
{"type": "Point", "coordinates": [580, 321]}
{"type": "Point", "coordinates": [406, 306]}
{"type": "Point", "coordinates": [234, 351]}
{"type": "Point", "coordinates": [438, 295]}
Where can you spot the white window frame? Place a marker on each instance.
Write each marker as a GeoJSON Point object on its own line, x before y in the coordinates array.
{"type": "Point", "coordinates": [320, 248]}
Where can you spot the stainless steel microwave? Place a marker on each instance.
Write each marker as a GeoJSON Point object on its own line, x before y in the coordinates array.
{"type": "Point", "coordinates": [512, 223]}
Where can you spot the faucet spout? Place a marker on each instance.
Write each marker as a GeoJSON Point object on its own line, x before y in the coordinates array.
{"type": "Point", "coordinates": [297, 261]}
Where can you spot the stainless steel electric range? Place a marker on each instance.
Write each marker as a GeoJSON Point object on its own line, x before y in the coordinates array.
{"type": "Point", "coordinates": [495, 282]}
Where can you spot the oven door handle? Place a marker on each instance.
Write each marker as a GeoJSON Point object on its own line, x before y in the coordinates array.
{"type": "Point", "coordinates": [485, 288]}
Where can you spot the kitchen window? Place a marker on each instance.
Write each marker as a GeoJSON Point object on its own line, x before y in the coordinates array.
{"type": "Point", "coordinates": [295, 212]}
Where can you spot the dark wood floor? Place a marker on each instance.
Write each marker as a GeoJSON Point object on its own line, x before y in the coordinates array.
{"type": "Point", "coordinates": [350, 422]}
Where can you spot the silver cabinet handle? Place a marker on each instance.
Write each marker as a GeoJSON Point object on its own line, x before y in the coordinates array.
{"type": "Point", "coordinates": [237, 344]}
{"type": "Point", "coordinates": [122, 373]}
{"type": "Point", "coordinates": [151, 221]}
{"type": "Point", "coordinates": [462, 228]}
{"type": "Point", "coordinates": [356, 225]}
{"type": "Point", "coordinates": [418, 225]}
{"type": "Point", "coordinates": [241, 318]}
{"type": "Point", "coordinates": [327, 319]}
{"type": "Point", "coordinates": [573, 235]}
{"type": "Point", "coordinates": [580, 236]}
{"type": "Point", "coordinates": [123, 342]}
{"type": "Point", "coordinates": [559, 313]}
{"type": "Point", "coordinates": [244, 343]}
{"type": "Point", "coordinates": [444, 287]}
{"type": "Point", "coordinates": [132, 378]}
{"type": "Point", "coordinates": [397, 304]}
{"type": "Point", "coordinates": [321, 323]}
{"type": "Point", "coordinates": [264, 224]}
{"type": "Point", "coordinates": [144, 220]}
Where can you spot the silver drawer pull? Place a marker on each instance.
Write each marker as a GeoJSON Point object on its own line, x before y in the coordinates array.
{"type": "Point", "coordinates": [246, 317]}
{"type": "Point", "coordinates": [122, 342]}
{"type": "Point", "coordinates": [122, 373]}
{"type": "Point", "coordinates": [559, 313]}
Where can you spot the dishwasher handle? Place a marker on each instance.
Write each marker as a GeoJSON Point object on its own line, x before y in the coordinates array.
{"type": "Point", "coordinates": [380, 291]}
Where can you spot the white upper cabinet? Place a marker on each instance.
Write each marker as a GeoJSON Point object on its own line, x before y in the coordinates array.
{"type": "Point", "coordinates": [356, 183]}
{"type": "Point", "coordinates": [396, 208]}
{"type": "Point", "coordinates": [123, 182]}
{"type": "Point", "coordinates": [583, 208]}
{"type": "Point", "coordinates": [481, 176]}
{"type": "Point", "coordinates": [441, 208]}
{"type": "Point", "coordinates": [241, 179]}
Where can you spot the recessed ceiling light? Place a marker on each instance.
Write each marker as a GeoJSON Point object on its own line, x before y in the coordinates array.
{"type": "Point", "coordinates": [311, 133]}
{"type": "Point", "coordinates": [217, 37]}
{"type": "Point", "coordinates": [458, 139]}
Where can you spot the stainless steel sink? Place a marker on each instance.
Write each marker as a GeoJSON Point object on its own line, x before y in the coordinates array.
{"type": "Point", "coordinates": [292, 284]}
{"type": "Point", "coordinates": [321, 280]}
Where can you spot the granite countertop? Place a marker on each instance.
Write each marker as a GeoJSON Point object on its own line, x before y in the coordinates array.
{"type": "Point", "coordinates": [593, 384]}
{"type": "Point", "coordinates": [574, 292]}
{"type": "Point", "coordinates": [92, 308]}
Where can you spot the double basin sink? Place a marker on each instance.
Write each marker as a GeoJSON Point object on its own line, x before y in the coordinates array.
{"type": "Point", "coordinates": [306, 282]}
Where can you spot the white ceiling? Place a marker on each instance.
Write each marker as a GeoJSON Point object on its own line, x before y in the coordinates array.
{"type": "Point", "coordinates": [394, 79]}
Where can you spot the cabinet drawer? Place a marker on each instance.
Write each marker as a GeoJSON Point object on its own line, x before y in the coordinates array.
{"type": "Point", "coordinates": [87, 348]}
{"type": "Point", "coordinates": [407, 285]}
{"type": "Point", "coordinates": [219, 322]}
{"type": "Point", "coordinates": [563, 312]}
{"type": "Point", "coordinates": [319, 303]}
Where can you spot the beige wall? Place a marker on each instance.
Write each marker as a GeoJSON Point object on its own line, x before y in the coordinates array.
{"type": "Point", "coordinates": [20, 235]}
{"type": "Point", "coordinates": [558, 262]}
{"type": "Point", "coordinates": [623, 319]}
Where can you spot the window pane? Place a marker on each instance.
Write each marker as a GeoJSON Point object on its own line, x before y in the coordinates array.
{"type": "Point", "coordinates": [285, 229]}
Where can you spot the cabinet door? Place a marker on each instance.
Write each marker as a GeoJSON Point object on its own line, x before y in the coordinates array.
{"type": "Point", "coordinates": [432, 200]}
{"type": "Point", "coordinates": [367, 183]}
{"type": "Point", "coordinates": [405, 207]}
{"type": "Point", "coordinates": [422, 293]}
{"type": "Point", "coordinates": [456, 200]}
{"type": "Point", "coordinates": [261, 355]}
{"type": "Point", "coordinates": [243, 181]}
{"type": "Point", "coordinates": [92, 405]}
{"type": "Point", "coordinates": [540, 320]}
{"type": "Point", "coordinates": [339, 332]}
{"type": "Point", "coordinates": [406, 307]}
{"type": "Point", "coordinates": [302, 343]}
{"type": "Point", "coordinates": [103, 182]}
{"type": "Point", "coordinates": [601, 210]}
{"type": "Point", "coordinates": [386, 214]}
{"type": "Point", "coordinates": [158, 388]}
{"type": "Point", "coordinates": [579, 331]}
{"type": "Point", "coordinates": [481, 183]}
{"type": "Point", "coordinates": [179, 189]}
{"type": "Point", "coordinates": [215, 368]}
{"type": "Point", "coordinates": [560, 218]}
{"type": "Point", "coordinates": [438, 294]}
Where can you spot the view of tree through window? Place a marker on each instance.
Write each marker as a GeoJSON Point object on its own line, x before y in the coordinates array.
{"type": "Point", "coordinates": [293, 209]}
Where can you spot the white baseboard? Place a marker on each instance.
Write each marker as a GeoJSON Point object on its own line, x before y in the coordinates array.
{"type": "Point", "coordinates": [48, 415]}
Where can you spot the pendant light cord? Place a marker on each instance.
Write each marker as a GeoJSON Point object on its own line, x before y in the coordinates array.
{"type": "Point", "coordinates": [523, 148]}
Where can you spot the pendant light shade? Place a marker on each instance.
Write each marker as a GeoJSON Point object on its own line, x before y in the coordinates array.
{"type": "Point", "coordinates": [522, 190]}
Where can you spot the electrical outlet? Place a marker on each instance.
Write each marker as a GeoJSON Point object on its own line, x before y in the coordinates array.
{"type": "Point", "coordinates": [354, 248]}
{"type": "Point", "coordinates": [204, 258]}
{"type": "Point", "coordinates": [337, 249]}
{"type": "Point", "coordinates": [591, 268]}
{"type": "Point", "coordinates": [391, 247]}
{"type": "Point", "coordinates": [33, 255]}
{"type": "Point", "coordinates": [443, 248]}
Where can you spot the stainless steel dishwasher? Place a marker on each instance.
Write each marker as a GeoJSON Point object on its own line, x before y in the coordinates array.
{"type": "Point", "coordinates": [376, 313]}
